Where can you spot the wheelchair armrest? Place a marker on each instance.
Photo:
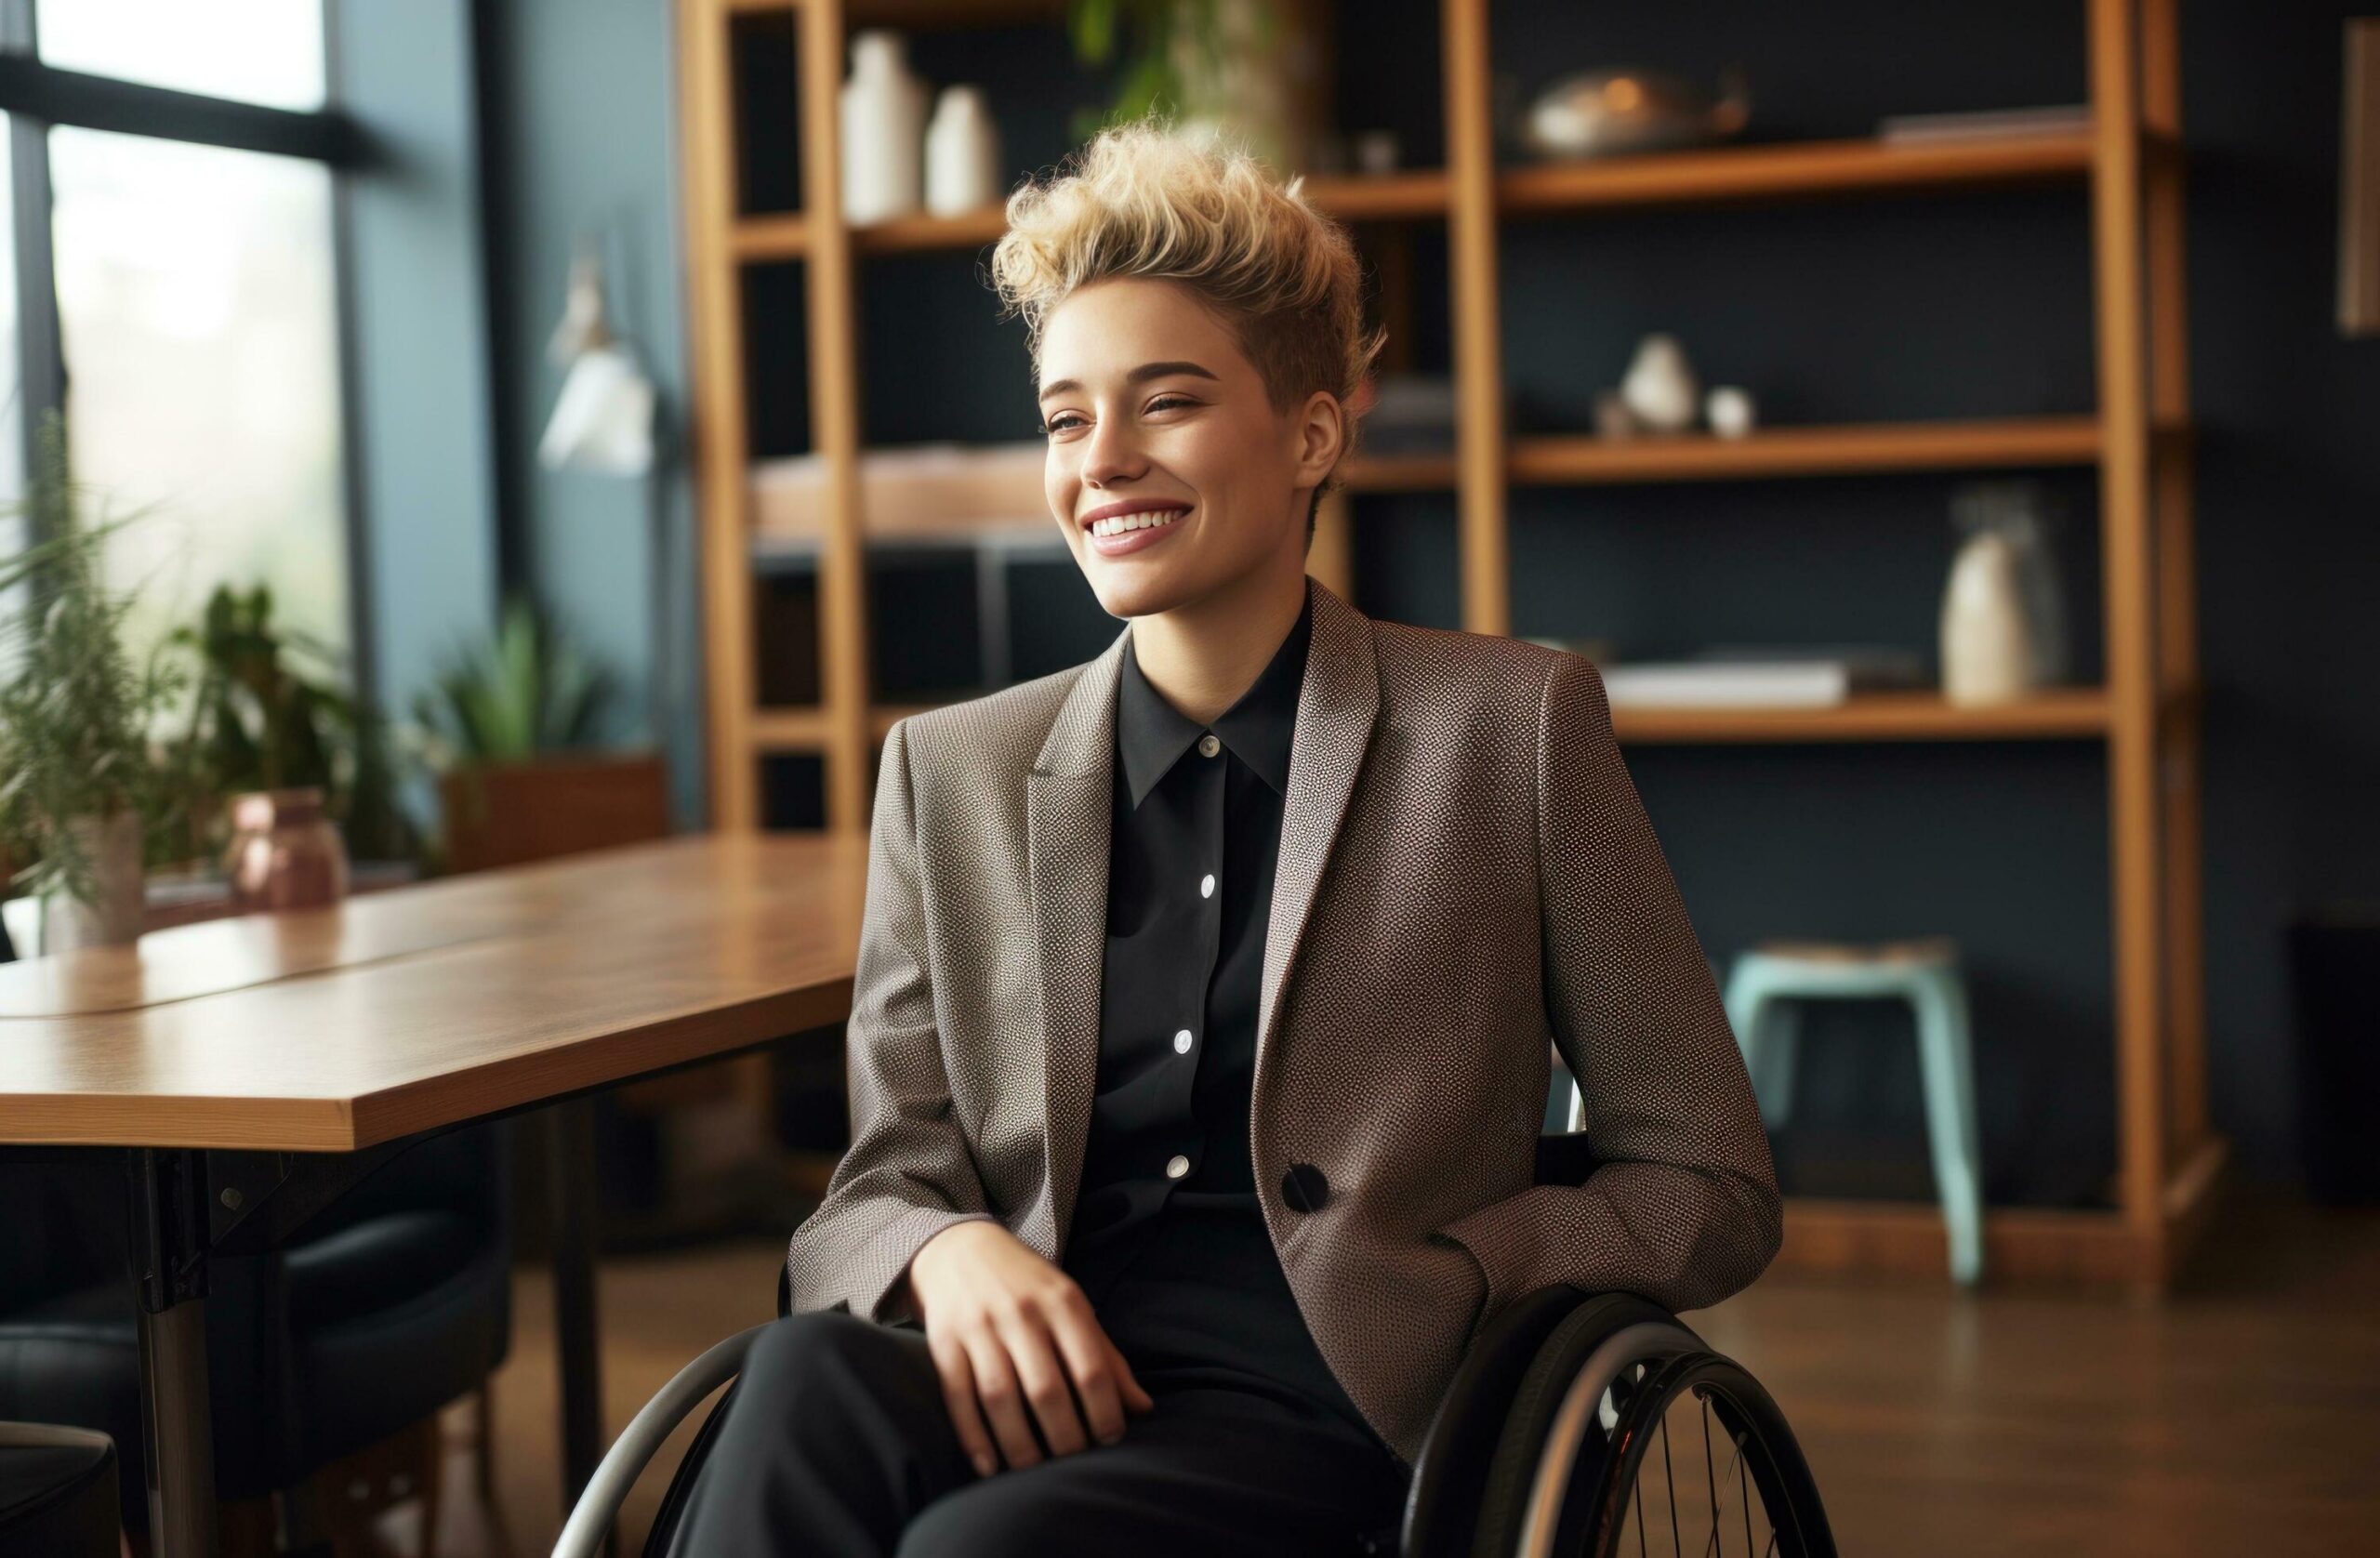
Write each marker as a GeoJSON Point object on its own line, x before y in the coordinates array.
{"type": "Point", "coordinates": [582, 1534]}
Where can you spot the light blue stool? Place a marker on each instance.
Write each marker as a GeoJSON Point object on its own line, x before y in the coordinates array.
{"type": "Point", "coordinates": [1766, 981]}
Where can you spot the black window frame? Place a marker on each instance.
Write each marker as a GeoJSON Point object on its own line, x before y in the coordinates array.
{"type": "Point", "coordinates": [36, 96]}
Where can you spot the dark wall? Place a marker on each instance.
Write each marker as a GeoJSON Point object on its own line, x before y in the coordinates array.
{"type": "Point", "coordinates": [1972, 305]}
{"type": "Point", "coordinates": [1977, 304]}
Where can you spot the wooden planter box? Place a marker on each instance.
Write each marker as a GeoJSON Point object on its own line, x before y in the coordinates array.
{"type": "Point", "coordinates": [510, 813]}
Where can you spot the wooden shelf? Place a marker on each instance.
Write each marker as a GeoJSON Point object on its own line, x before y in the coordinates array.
{"type": "Point", "coordinates": [2129, 165]}
{"type": "Point", "coordinates": [2064, 713]}
{"type": "Point", "coordinates": [1896, 716]}
{"type": "Point", "coordinates": [1849, 449]}
{"type": "Point", "coordinates": [1420, 472]}
{"type": "Point", "coordinates": [786, 234]}
{"type": "Point", "coordinates": [917, 15]}
{"type": "Point", "coordinates": [1816, 167]}
{"type": "Point", "coordinates": [1716, 175]}
{"type": "Point", "coordinates": [1555, 460]}
{"type": "Point", "coordinates": [1409, 193]}
{"type": "Point", "coordinates": [789, 730]}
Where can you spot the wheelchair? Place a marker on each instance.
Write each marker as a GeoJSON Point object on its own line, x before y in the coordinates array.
{"type": "Point", "coordinates": [1578, 1424]}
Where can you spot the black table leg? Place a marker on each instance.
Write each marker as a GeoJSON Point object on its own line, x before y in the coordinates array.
{"type": "Point", "coordinates": [570, 1149]}
{"type": "Point", "coordinates": [168, 1191]}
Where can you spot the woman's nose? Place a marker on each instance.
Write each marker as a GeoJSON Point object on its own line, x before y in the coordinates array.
{"type": "Point", "coordinates": [1111, 453]}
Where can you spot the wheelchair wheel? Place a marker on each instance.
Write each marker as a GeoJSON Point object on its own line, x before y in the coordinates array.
{"type": "Point", "coordinates": [1633, 1436]}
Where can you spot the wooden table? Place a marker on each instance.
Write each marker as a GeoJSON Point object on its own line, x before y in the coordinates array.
{"type": "Point", "coordinates": [249, 1070]}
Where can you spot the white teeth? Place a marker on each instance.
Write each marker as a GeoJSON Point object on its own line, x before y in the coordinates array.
{"type": "Point", "coordinates": [1123, 522]}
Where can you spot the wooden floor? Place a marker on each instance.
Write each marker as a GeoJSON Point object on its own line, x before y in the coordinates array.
{"type": "Point", "coordinates": [2241, 1417]}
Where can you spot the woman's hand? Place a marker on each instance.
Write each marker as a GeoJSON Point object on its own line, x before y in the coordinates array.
{"type": "Point", "coordinates": [1008, 1328]}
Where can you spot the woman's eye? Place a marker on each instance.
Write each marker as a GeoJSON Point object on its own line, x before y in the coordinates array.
{"type": "Point", "coordinates": [1065, 419]}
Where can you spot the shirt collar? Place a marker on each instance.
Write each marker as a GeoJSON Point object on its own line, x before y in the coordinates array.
{"type": "Point", "coordinates": [1151, 734]}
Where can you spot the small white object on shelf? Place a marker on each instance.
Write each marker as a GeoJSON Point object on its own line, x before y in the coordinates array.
{"type": "Point", "coordinates": [962, 154]}
{"type": "Point", "coordinates": [1377, 153]}
{"type": "Point", "coordinates": [1729, 409]}
{"type": "Point", "coordinates": [1661, 390]}
{"type": "Point", "coordinates": [883, 107]}
{"type": "Point", "coordinates": [1986, 649]}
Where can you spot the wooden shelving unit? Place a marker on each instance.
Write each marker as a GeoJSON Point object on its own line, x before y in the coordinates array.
{"type": "Point", "coordinates": [2129, 165]}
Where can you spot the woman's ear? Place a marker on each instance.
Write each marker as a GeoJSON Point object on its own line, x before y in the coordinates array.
{"type": "Point", "coordinates": [1321, 436]}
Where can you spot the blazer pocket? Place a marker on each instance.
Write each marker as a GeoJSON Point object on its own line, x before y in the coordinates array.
{"type": "Point", "coordinates": [1441, 1238]}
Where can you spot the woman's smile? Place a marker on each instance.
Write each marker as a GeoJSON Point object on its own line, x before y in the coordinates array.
{"type": "Point", "coordinates": [1132, 533]}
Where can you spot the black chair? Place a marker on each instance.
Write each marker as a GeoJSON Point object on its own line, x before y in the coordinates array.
{"type": "Point", "coordinates": [389, 1303]}
{"type": "Point", "coordinates": [58, 1492]}
{"type": "Point", "coordinates": [1563, 1432]}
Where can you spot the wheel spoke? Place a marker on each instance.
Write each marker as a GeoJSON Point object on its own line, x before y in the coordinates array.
{"type": "Point", "coordinates": [1708, 1484]}
{"type": "Point", "coordinates": [1677, 1543]}
{"type": "Point", "coordinates": [1732, 1464]}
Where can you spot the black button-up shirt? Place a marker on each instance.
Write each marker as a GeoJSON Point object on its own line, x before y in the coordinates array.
{"type": "Point", "coordinates": [1167, 1241]}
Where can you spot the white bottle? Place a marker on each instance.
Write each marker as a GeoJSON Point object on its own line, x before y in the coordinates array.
{"type": "Point", "coordinates": [1661, 386]}
{"type": "Point", "coordinates": [962, 154]}
{"type": "Point", "coordinates": [884, 121]}
{"type": "Point", "coordinates": [1987, 650]}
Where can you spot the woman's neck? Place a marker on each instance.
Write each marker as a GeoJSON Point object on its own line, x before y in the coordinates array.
{"type": "Point", "coordinates": [1202, 656]}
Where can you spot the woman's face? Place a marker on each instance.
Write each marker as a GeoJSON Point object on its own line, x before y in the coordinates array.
{"type": "Point", "coordinates": [1147, 404]}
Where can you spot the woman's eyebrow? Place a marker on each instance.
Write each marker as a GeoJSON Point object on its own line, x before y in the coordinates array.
{"type": "Point", "coordinates": [1145, 370]}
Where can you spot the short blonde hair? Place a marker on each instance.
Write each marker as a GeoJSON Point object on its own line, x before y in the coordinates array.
{"type": "Point", "coordinates": [1140, 200]}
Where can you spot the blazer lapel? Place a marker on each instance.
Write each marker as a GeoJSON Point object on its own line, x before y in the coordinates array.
{"type": "Point", "coordinates": [1338, 704]}
{"type": "Point", "coordinates": [1068, 809]}
{"type": "Point", "coordinates": [1069, 803]}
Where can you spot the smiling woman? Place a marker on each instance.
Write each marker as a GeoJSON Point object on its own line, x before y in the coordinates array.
{"type": "Point", "coordinates": [1198, 341]}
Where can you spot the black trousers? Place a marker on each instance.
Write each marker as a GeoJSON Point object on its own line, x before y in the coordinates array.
{"type": "Point", "coordinates": [838, 1442]}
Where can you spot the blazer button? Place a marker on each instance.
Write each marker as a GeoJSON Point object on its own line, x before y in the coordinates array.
{"type": "Point", "coordinates": [1305, 1188]}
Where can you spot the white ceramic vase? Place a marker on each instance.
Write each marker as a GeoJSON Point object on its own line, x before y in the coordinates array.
{"type": "Point", "coordinates": [883, 106]}
{"type": "Point", "coordinates": [1661, 390]}
{"type": "Point", "coordinates": [112, 917]}
{"type": "Point", "coordinates": [1986, 647]}
{"type": "Point", "coordinates": [962, 154]}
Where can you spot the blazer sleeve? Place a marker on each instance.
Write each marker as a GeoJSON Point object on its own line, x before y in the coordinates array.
{"type": "Point", "coordinates": [1682, 1204]}
{"type": "Point", "coordinates": [909, 1174]}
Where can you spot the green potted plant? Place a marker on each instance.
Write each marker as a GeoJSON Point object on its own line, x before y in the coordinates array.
{"type": "Point", "coordinates": [272, 734]}
{"type": "Point", "coordinates": [85, 799]}
{"type": "Point", "coordinates": [1246, 67]}
{"type": "Point", "coordinates": [511, 724]}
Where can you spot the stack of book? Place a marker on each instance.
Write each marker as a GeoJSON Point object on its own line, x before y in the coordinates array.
{"type": "Point", "coordinates": [1997, 123]}
{"type": "Point", "coordinates": [1759, 676]}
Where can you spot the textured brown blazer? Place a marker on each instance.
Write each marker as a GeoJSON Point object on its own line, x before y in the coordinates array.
{"type": "Point", "coordinates": [1465, 874]}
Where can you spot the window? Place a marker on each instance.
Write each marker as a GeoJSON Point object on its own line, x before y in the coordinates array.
{"type": "Point", "coordinates": [182, 305]}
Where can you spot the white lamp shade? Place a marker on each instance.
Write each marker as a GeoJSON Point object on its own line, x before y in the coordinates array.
{"type": "Point", "coordinates": [602, 421]}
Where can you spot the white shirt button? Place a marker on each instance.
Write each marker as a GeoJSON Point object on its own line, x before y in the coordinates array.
{"type": "Point", "coordinates": [1207, 886]}
{"type": "Point", "coordinates": [1208, 746]}
{"type": "Point", "coordinates": [1181, 1042]}
{"type": "Point", "coordinates": [1176, 1166]}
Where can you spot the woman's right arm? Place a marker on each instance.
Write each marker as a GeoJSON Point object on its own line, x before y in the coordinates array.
{"type": "Point", "coordinates": [1008, 1328]}
{"type": "Point", "coordinates": [908, 1174]}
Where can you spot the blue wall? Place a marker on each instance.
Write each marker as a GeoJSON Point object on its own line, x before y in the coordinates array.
{"type": "Point", "coordinates": [425, 447]}
{"type": "Point", "coordinates": [581, 131]}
